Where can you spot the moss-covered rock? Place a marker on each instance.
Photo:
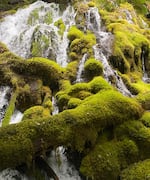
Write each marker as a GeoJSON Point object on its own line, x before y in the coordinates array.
{"type": "Point", "coordinates": [49, 71]}
{"type": "Point", "coordinates": [36, 112]}
{"type": "Point", "coordinates": [139, 133]}
{"type": "Point", "coordinates": [146, 119]}
{"type": "Point", "coordinates": [137, 171]}
{"type": "Point", "coordinates": [101, 163]}
{"type": "Point", "coordinates": [144, 99]}
{"type": "Point", "coordinates": [92, 68]}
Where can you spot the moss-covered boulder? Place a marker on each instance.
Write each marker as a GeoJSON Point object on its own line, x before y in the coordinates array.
{"type": "Point", "coordinates": [137, 171]}
{"type": "Point", "coordinates": [72, 128]}
{"type": "Point", "coordinates": [92, 68]}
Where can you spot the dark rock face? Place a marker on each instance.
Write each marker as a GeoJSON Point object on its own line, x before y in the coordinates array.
{"type": "Point", "coordinates": [148, 15]}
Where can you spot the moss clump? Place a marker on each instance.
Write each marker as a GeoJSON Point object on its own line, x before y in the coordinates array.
{"type": "Point", "coordinates": [92, 68]}
{"type": "Point", "coordinates": [3, 48]}
{"type": "Point", "coordinates": [137, 171]}
{"type": "Point", "coordinates": [98, 84]}
{"type": "Point", "coordinates": [36, 112]}
{"type": "Point", "coordinates": [74, 33]}
{"type": "Point", "coordinates": [80, 43]}
{"type": "Point", "coordinates": [101, 163]}
{"type": "Point", "coordinates": [139, 133]}
{"type": "Point", "coordinates": [73, 103]}
{"type": "Point", "coordinates": [49, 71]}
{"type": "Point", "coordinates": [146, 119]}
{"type": "Point", "coordinates": [71, 71]}
{"type": "Point", "coordinates": [144, 99]}
{"type": "Point", "coordinates": [107, 158]}
{"type": "Point", "coordinates": [61, 26]}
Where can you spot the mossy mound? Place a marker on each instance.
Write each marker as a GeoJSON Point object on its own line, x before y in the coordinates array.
{"type": "Point", "coordinates": [80, 43]}
{"type": "Point", "coordinates": [139, 133]}
{"type": "Point", "coordinates": [127, 27]}
{"type": "Point", "coordinates": [92, 68]}
{"type": "Point", "coordinates": [144, 99]}
{"type": "Point", "coordinates": [36, 112]}
{"type": "Point", "coordinates": [80, 91]}
{"type": "Point", "coordinates": [146, 119]}
{"type": "Point", "coordinates": [49, 71]}
{"type": "Point", "coordinates": [107, 159]}
{"type": "Point", "coordinates": [101, 163]}
{"type": "Point", "coordinates": [137, 171]}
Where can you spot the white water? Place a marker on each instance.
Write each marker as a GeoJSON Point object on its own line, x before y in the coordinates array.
{"type": "Point", "coordinates": [36, 25]}
{"type": "Point", "coordinates": [103, 48]}
{"type": "Point", "coordinates": [81, 69]}
{"type": "Point", "coordinates": [60, 164]}
{"type": "Point", "coordinates": [16, 117]}
{"type": "Point", "coordinates": [10, 174]}
{"type": "Point", "coordinates": [58, 160]}
{"type": "Point", "coordinates": [145, 75]}
{"type": "Point", "coordinates": [55, 107]}
{"type": "Point", "coordinates": [4, 91]}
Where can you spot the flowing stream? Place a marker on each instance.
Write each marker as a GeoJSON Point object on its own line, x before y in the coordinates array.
{"type": "Point", "coordinates": [39, 30]}
{"type": "Point", "coordinates": [58, 161]}
{"type": "Point", "coordinates": [4, 91]}
{"type": "Point", "coordinates": [103, 48]}
{"type": "Point", "coordinates": [81, 69]}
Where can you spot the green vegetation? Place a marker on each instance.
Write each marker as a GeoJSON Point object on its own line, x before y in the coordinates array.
{"type": "Point", "coordinates": [110, 131]}
{"type": "Point", "coordinates": [10, 110]}
{"type": "Point", "coordinates": [92, 68]}
{"type": "Point", "coordinates": [137, 171]}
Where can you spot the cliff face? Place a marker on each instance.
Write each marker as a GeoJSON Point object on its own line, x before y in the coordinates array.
{"type": "Point", "coordinates": [102, 90]}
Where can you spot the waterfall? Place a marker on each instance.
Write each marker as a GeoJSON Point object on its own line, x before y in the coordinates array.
{"type": "Point", "coordinates": [55, 107]}
{"type": "Point", "coordinates": [16, 117]}
{"type": "Point", "coordinates": [10, 174]}
{"type": "Point", "coordinates": [102, 49]}
{"type": "Point", "coordinates": [39, 30]}
{"type": "Point", "coordinates": [58, 160]}
{"type": "Point", "coordinates": [145, 75]}
{"type": "Point", "coordinates": [81, 68]}
{"type": "Point", "coordinates": [62, 167]}
{"type": "Point", "coordinates": [4, 91]}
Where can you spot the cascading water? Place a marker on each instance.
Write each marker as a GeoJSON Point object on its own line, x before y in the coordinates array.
{"type": "Point", "coordinates": [81, 69]}
{"type": "Point", "coordinates": [16, 117]}
{"type": "Point", "coordinates": [39, 30]}
{"type": "Point", "coordinates": [145, 75]}
{"type": "Point", "coordinates": [103, 48]}
{"type": "Point", "coordinates": [58, 160]}
{"type": "Point", "coordinates": [10, 174]}
{"type": "Point", "coordinates": [4, 91]}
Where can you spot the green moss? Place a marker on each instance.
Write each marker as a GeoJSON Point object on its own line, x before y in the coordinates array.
{"type": "Point", "coordinates": [73, 103]}
{"type": "Point", "coordinates": [60, 24]}
{"type": "Point", "coordinates": [71, 70]}
{"type": "Point", "coordinates": [74, 33]}
{"type": "Point", "coordinates": [34, 15]}
{"type": "Point", "coordinates": [146, 119]}
{"type": "Point", "coordinates": [93, 68]}
{"type": "Point", "coordinates": [144, 99]}
{"type": "Point", "coordinates": [101, 163]}
{"type": "Point", "coordinates": [80, 43]}
{"type": "Point", "coordinates": [76, 88]}
{"type": "Point", "coordinates": [49, 71]}
{"type": "Point", "coordinates": [137, 171]}
{"type": "Point", "coordinates": [10, 109]}
{"type": "Point", "coordinates": [3, 48]}
{"type": "Point", "coordinates": [36, 112]}
{"type": "Point", "coordinates": [139, 133]}
{"type": "Point", "coordinates": [48, 18]}
{"type": "Point", "coordinates": [98, 84]}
